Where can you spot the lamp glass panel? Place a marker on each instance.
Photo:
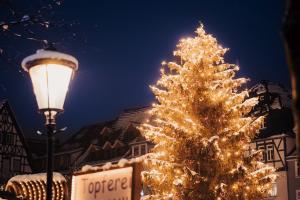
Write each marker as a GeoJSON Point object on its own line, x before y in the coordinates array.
{"type": "Point", "coordinates": [50, 84]}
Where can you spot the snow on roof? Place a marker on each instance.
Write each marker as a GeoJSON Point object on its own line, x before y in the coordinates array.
{"type": "Point", "coordinates": [267, 86]}
{"type": "Point", "coordinates": [121, 163]}
{"type": "Point", "coordinates": [278, 135]}
{"type": "Point", "coordinates": [36, 177]}
{"type": "Point", "coordinates": [41, 53]}
{"type": "Point", "coordinates": [131, 116]}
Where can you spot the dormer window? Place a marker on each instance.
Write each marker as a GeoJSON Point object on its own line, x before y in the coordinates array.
{"type": "Point", "coordinates": [263, 125]}
{"type": "Point", "coordinates": [136, 150]}
{"type": "Point", "coordinates": [143, 149]}
{"type": "Point", "coordinates": [139, 150]}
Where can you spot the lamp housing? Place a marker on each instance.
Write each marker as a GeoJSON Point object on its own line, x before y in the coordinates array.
{"type": "Point", "coordinates": [50, 72]}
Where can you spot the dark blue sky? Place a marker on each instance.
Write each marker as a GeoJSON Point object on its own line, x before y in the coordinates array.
{"type": "Point", "coordinates": [120, 45]}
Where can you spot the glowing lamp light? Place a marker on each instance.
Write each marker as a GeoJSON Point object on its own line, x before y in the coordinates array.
{"type": "Point", "coordinates": [50, 72]}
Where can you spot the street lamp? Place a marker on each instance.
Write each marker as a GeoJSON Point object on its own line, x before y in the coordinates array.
{"type": "Point", "coordinates": [50, 72]}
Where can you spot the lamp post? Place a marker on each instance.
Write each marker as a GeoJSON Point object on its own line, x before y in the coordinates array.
{"type": "Point", "coordinates": [50, 72]}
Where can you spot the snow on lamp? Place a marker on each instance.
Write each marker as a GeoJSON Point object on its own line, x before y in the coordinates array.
{"type": "Point", "coordinates": [50, 72]}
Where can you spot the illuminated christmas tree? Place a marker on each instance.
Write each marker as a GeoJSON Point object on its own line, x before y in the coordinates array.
{"type": "Point", "coordinates": [201, 129]}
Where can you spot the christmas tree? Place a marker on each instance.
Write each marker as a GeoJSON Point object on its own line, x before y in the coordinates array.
{"type": "Point", "coordinates": [201, 129]}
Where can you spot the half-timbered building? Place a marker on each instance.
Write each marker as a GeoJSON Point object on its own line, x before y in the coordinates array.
{"type": "Point", "coordinates": [276, 138]}
{"type": "Point", "coordinates": [14, 154]}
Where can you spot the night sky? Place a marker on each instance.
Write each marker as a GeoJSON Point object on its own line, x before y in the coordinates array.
{"type": "Point", "coordinates": [120, 45]}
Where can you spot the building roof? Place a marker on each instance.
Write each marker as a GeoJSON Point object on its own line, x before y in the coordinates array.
{"type": "Point", "coordinates": [277, 122]}
{"type": "Point", "coordinates": [122, 129]}
{"type": "Point", "coordinates": [101, 141]}
{"type": "Point", "coordinates": [275, 104]}
{"type": "Point", "coordinates": [109, 140]}
{"type": "Point", "coordinates": [273, 90]}
{"type": "Point", "coordinates": [92, 134]}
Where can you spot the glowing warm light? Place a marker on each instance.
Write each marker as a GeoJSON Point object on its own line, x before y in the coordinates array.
{"type": "Point", "coordinates": [235, 187]}
{"type": "Point", "coordinates": [50, 84]}
{"type": "Point", "coordinates": [33, 186]}
{"type": "Point", "coordinates": [50, 73]}
{"type": "Point", "coordinates": [201, 129]}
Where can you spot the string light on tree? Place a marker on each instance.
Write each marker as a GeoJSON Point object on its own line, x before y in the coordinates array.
{"type": "Point", "coordinates": [201, 130]}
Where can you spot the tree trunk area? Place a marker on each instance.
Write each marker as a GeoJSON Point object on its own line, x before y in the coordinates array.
{"type": "Point", "coordinates": [291, 35]}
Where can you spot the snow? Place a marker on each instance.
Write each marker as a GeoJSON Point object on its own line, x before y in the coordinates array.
{"type": "Point", "coordinates": [274, 88]}
{"type": "Point", "coordinates": [87, 168]}
{"type": "Point", "coordinates": [213, 138]}
{"type": "Point", "coordinates": [250, 102]}
{"type": "Point", "coordinates": [37, 177]}
{"type": "Point", "coordinates": [134, 116]}
{"type": "Point", "coordinates": [278, 135]}
{"type": "Point", "coordinates": [122, 162]}
{"type": "Point", "coordinates": [25, 18]}
{"type": "Point", "coordinates": [107, 166]}
{"type": "Point", "coordinates": [263, 169]}
{"type": "Point", "coordinates": [260, 89]}
{"type": "Point", "coordinates": [276, 104]}
{"type": "Point", "coordinates": [41, 53]}
{"type": "Point", "coordinates": [177, 182]}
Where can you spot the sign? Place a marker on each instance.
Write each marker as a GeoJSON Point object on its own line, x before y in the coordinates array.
{"type": "Point", "coordinates": [114, 184]}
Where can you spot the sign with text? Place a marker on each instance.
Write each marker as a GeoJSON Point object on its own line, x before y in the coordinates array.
{"type": "Point", "coordinates": [114, 184]}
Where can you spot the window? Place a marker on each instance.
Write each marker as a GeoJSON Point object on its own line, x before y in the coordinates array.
{"type": "Point", "coordinates": [143, 149]}
{"type": "Point", "coordinates": [261, 98]}
{"type": "Point", "coordinates": [262, 148]}
{"type": "Point", "coordinates": [297, 169]}
{"type": "Point", "coordinates": [297, 194]}
{"type": "Point", "coordinates": [138, 150]}
{"type": "Point", "coordinates": [270, 152]}
{"type": "Point", "coordinates": [264, 125]}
